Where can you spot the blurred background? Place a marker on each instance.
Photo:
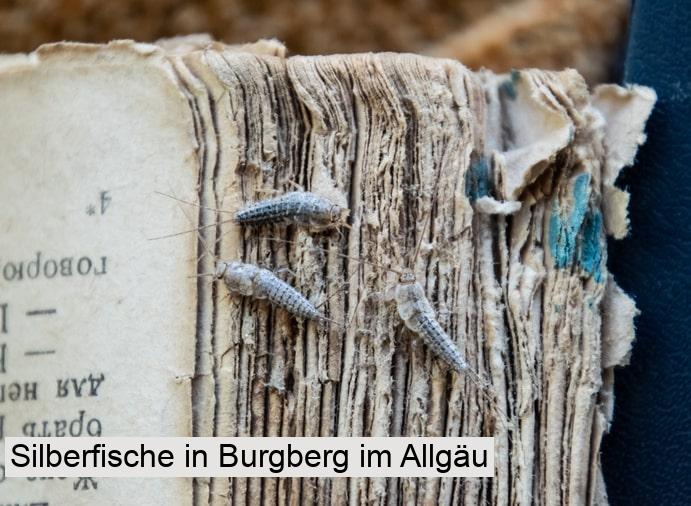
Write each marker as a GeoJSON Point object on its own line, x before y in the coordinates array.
{"type": "Point", "coordinates": [497, 34]}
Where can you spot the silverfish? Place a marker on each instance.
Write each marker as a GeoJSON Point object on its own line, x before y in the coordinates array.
{"type": "Point", "coordinates": [302, 208]}
{"type": "Point", "coordinates": [252, 281]}
{"type": "Point", "coordinates": [418, 315]}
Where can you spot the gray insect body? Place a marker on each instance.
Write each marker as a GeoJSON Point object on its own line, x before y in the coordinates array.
{"type": "Point", "coordinates": [302, 208]}
{"type": "Point", "coordinates": [257, 283]}
{"type": "Point", "coordinates": [418, 315]}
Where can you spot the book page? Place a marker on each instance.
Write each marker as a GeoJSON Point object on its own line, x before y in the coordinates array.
{"type": "Point", "coordinates": [498, 181]}
{"type": "Point", "coordinates": [97, 321]}
{"type": "Point", "coordinates": [497, 191]}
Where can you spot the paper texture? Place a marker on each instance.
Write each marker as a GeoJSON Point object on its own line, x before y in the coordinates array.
{"type": "Point", "coordinates": [504, 183]}
{"type": "Point", "coordinates": [88, 134]}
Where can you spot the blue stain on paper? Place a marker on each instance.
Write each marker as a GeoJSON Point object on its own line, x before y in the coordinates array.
{"type": "Point", "coordinates": [508, 87]}
{"type": "Point", "coordinates": [574, 233]}
{"type": "Point", "coordinates": [563, 230]}
{"type": "Point", "coordinates": [477, 183]}
{"type": "Point", "coordinates": [590, 253]}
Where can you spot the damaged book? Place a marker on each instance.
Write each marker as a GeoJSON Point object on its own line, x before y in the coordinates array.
{"type": "Point", "coordinates": [210, 240]}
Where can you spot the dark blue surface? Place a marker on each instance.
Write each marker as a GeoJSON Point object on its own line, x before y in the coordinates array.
{"type": "Point", "coordinates": [646, 458]}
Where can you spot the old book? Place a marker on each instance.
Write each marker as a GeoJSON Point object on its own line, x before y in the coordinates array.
{"type": "Point", "coordinates": [504, 183]}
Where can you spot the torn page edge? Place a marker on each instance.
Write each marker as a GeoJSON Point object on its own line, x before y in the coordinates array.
{"type": "Point", "coordinates": [625, 111]}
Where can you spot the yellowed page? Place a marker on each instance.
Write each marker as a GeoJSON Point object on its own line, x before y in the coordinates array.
{"type": "Point", "coordinates": [104, 331]}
